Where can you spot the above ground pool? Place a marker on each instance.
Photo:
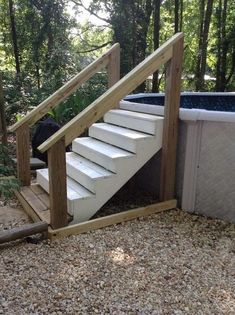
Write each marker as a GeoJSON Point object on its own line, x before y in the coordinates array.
{"type": "Point", "coordinates": [193, 106]}
{"type": "Point", "coordinates": [205, 177]}
{"type": "Point", "coordinates": [224, 102]}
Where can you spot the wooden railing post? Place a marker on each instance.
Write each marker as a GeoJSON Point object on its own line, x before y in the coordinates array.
{"type": "Point", "coordinates": [171, 116]}
{"type": "Point", "coordinates": [114, 67]}
{"type": "Point", "coordinates": [57, 184]}
{"type": "Point", "coordinates": [23, 155]}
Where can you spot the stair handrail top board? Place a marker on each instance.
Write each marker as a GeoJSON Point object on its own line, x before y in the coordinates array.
{"type": "Point", "coordinates": [66, 90]}
{"type": "Point", "coordinates": [109, 99]}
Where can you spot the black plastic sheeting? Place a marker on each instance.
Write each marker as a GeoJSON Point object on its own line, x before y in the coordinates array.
{"type": "Point", "coordinates": [225, 103]}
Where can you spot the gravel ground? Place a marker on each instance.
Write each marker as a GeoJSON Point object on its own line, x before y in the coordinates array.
{"type": "Point", "coordinates": [168, 263]}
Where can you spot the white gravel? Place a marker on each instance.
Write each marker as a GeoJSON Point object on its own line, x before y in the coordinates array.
{"type": "Point", "coordinates": [168, 263]}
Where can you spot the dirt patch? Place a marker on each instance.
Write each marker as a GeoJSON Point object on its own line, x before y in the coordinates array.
{"type": "Point", "coordinates": [12, 216]}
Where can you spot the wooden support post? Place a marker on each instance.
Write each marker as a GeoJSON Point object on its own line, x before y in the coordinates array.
{"type": "Point", "coordinates": [57, 184]}
{"type": "Point", "coordinates": [114, 67]}
{"type": "Point", "coordinates": [23, 155]}
{"type": "Point", "coordinates": [170, 129]}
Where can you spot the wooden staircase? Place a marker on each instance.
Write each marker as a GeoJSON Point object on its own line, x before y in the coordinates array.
{"type": "Point", "coordinates": [99, 165]}
{"type": "Point", "coordinates": [78, 183]}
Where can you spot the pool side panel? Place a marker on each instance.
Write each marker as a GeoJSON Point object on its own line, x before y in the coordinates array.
{"type": "Point", "coordinates": [205, 173]}
{"type": "Point", "coordinates": [193, 136]}
{"type": "Point", "coordinates": [215, 191]}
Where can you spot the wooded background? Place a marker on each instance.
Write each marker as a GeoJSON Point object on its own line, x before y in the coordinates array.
{"type": "Point", "coordinates": [44, 43]}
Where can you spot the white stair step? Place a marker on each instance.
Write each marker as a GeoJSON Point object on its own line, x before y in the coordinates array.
{"type": "Point", "coordinates": [84, 171]}
{"type": "Point", "coordinates": [133, 120]}
{"type": "Point", "coordinates": [121, 137]}
{"type": "Point", "coordinates": [101, 153]}
{"type": "Point", "coordinates": [75, 191]}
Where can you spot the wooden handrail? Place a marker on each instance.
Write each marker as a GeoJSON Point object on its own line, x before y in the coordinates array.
{"type": "Point", "coordinates": [108, 100]}
{"type": "Point", "coordinates": [66, 90]}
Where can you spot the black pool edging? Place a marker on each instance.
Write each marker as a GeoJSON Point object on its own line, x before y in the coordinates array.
{"type": "Point", "coordinates": [210, 101]}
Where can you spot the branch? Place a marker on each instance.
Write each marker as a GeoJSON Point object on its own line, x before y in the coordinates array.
{"type": "Point", "coordinates": [94, 48]}
{"type": "Point", "coordinates": [79, 3]}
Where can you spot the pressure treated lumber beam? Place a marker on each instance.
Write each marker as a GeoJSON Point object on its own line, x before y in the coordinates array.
{"type": "Point", "coordinates": [170, 126]}
{"type": "Point", "coordinates": [22, 231]}
{"type": "Point", "coordinates": [57, 184]}
{"type": "Point", "coordinates": [114, 67]}
{"type": "Point", "coordinates": [111, 219]}
{"type": "Point", "coordinates": [23, 155]}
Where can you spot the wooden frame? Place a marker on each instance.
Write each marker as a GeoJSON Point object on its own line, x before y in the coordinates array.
{"type": "Point", "coordinates": [170, 52]}
{"type": "Point", "coordinates": [37, 213]}
{"type": "Point", "coordinates": [109, 99]}
{"type": "Point", "coordinates": [57, 174]}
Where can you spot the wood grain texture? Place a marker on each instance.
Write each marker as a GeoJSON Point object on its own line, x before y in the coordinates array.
{"type": "Point", "coordinates": [114, 67]}
{"type": "Point", "coordinates": [27, 208]}
{"type": "Point", "coordinates": [32, 199]}
{"type": "Point", "coordinates": [36, 203]}
{"type": "Point", "coordinates": [170, 127]}
{"type": "Point", "coordinates": [66, 90]}
{"type": "Point", "coordinates": [23, 231]}
{"type": "Point", "coordinates": [57, 184]}
{"type": "Point", "coordinates": [111, 219]}
{"type": "Point", "coordinates": [109, 99]}
{"type": "Point", "coordinates": [23, 155]}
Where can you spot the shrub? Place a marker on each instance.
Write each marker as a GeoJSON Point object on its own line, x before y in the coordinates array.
{"type": "Point", "coordinates": [8, 182]}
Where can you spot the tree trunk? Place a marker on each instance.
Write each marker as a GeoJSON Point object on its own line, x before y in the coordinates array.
{"type": "Point", "coordinates": [156, 36]}
{"type": "Point", "coordinates": [202, 51]}
{"type": "Point", "coordinates": [176, 16]}
{"type": "Point", "coordinates": [3, 127]}
{"type": "Point", "coordinates": [181, 14]}
{"type": "Point", "coordinates": [224, 48]}
{"type": "Point", "coordinates": [199, 54]}
{"type": "Point", "coordinates": [218, 63]}
{"type": "Point", "coordinates": [14, 36]}
{"type": "Point", "coordinates": [130, 30]}
{"type": "Point", "coordinates": [205, 39]}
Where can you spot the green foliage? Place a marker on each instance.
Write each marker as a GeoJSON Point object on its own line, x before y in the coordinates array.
{"type": "Point", "coordinates": [83, 97]}
{"type": "Point", "coordinates": [8, 182]}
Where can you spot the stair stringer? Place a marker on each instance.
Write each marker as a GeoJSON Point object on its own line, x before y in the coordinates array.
{"type": "Point", "coordinates": [126, 169]}
{"type": "Point", "coordinates": [82, 209]}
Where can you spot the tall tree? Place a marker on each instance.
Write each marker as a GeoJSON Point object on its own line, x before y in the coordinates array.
{"type": "Point", "coordinates": [177, 6]}
{"type": "Point", "coordinates": [14, 36]}
{"type": "Point", "coordinates": [3, 126]}
{"type": "Point", "coordinates": [205, 19]}
{"type": "Point", "coordinates": [225, 31]}
{"type": "Point", "coordinates": [130, 22]}
{"type": "Point", "coordinates": [156, 40]}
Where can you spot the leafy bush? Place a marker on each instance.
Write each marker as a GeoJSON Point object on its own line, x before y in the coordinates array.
{"type": "Point", "coordinates": [79, 100]}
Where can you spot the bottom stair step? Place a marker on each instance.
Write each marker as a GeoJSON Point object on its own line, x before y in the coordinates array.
{"type": "Point", "coordinates": [36, 203]}
{"type": "Point", "coordinates": [75, 192]}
